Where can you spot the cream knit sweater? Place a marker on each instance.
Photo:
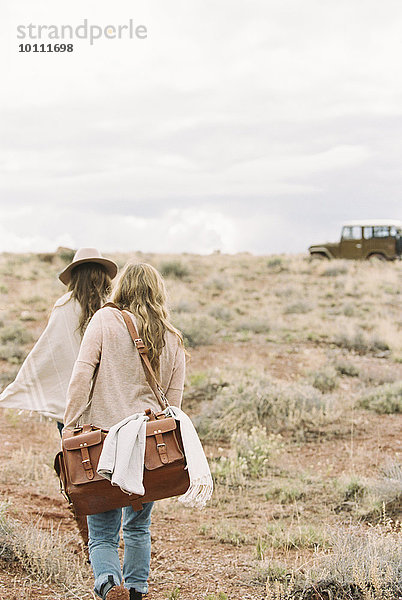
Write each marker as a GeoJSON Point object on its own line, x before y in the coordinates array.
{"type": "Point", "coordinates": [120, 387]}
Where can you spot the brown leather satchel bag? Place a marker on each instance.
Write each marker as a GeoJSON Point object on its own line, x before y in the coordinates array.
{"type": "Point", "coordinates": [165, 473]}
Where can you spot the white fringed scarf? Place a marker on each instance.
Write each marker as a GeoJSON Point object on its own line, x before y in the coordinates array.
{"type": "Point", "coordinates": [201, 485]}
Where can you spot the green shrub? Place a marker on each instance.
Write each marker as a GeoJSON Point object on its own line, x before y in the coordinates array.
{"type": "Point", "coordinates": [218, 283]}
{"type": "Point", "coordinates": [348, 310]}
{"type": "Point", "coordinates": [360, 343]}
{"type": "Point", "coordinates": [256, 401]}
{"type": "Point", "coordinates": [249, 457]}
{"type": "Point", "coordinates": [298, 308]}
{"type": "Point", "coordinates": [184, 307]}
{"type": "Point", "coordinates": [66, 254]}
{"type": "Point", "coordinates": [334, 271]}
{"type": "Point", "coordinates": [254, 326]}
{"type": "Point", "coordinates": [174, 268]}
{"type": "Point", "coordinates": [15, 333]}
{"type": "Point", "coordinates": [197, 330]}
{"type": "Point", "coordinates": [276, 262]}
{"type": "Point", "coordinates": [8, 377]}
{"type": "Point", "coordinates": [363, 564]}
{"type": "Point", "coordinates": [221, 313]}
{"type": "Point", "coordinates": [324, 379]}
{"type": "Point", "coordinates": [12, 353]}
{"type": "Point", "coordinates": [385, 399]}
{"type": "Point", "coordinates": [344, 367]}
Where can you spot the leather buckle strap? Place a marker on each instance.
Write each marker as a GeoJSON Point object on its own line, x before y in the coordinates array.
{"type": "Point", "coordinates": [141, 347]}
{"type": "Point", "coordinates": [86, 461]}
{"type": "Point", "coordinates": [161, 447]}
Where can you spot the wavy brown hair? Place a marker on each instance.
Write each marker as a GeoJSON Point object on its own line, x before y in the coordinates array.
{"type": "Point", "coordinates": [141, 290]}
{"type": "Point", "coordinates": [90, 286]}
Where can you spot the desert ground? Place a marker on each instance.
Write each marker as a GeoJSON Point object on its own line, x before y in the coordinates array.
{"type": "Point", "coordinates": [294, 382]}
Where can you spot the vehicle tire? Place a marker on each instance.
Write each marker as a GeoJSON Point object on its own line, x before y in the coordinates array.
{"type": "Point", "coordinates": [377, 256]}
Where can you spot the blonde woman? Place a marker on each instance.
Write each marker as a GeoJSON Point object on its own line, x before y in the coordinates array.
{"type": "Point", "coordinates": [120, 389]}
{"type": "Point", "coordinates": [42, 382]}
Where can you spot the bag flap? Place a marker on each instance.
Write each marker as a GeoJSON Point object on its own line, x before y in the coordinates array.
{"type": "Point", "coordinates": [75, 442]}
{"type": "Point", "coordinates": [161, 426]}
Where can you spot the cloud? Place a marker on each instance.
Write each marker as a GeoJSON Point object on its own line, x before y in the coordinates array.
{"type": "Point", "coordinates": [233, 126]}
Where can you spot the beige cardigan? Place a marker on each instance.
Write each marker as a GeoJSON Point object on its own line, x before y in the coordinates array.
{"type": "Point", "coordinates": [120, 387]}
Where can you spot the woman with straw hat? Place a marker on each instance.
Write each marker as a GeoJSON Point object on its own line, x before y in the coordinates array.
{"type": "Point", "coordinates": [42, 382]}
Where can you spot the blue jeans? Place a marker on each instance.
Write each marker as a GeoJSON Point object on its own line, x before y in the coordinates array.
{"type": "Point", "coordinates": [104, 538]}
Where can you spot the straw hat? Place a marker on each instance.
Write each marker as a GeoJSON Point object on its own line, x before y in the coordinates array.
{"type": "Point", "coordinates": [85, 255]}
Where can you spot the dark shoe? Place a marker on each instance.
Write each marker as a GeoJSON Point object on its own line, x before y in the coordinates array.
{"type": "Point", "coordinates": [134, 595]}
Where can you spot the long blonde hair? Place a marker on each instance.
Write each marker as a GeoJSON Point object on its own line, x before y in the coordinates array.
{"type": "Point", "coordinates": [90, 286]}
{"type": "Point", "coordinates": [141, 290]}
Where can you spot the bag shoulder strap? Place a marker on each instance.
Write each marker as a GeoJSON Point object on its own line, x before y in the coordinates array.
{"type": "Point", "coordinates": [143, 352]}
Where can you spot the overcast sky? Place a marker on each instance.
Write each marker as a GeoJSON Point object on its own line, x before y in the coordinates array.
{"type": "Point", "coordinates": [249, 125]}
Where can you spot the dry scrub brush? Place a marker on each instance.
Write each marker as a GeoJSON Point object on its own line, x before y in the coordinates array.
{"type": "Point", "coordinates": [255, 400]}
{"type": "Point", "coordinates": [361, 564]}
{"type": "Point", "coordinates": [48, 556]}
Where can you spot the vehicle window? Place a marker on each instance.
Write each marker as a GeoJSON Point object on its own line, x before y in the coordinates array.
{"type": "Point", "coordinates": [394, 232]}
{"type": "Point", "coordinates": [380, 232]}
{"type": "Point", "coordinates": [367, 233]}
{"type": "Point", "coordinates": [352, 233]}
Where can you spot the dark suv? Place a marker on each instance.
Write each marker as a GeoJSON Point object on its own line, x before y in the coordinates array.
{"type": "Point", "coordinates": [364, 240]}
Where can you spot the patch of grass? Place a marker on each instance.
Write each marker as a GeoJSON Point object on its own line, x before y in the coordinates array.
{"type": "Point", "coordinates": [280, 534]}
{"type": "Point", "coordinates": [33, 468]}
{"type": "Point", "coordinates": [174, 594]}
{"type": "Point", "coordinates": [385, 399]}
{"type": "Point", "coordinates": [224, 533]}
{"type": "Point", "coordinates": [217, 596]}
{"type": "Point", "coordinates": [287, 493]}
